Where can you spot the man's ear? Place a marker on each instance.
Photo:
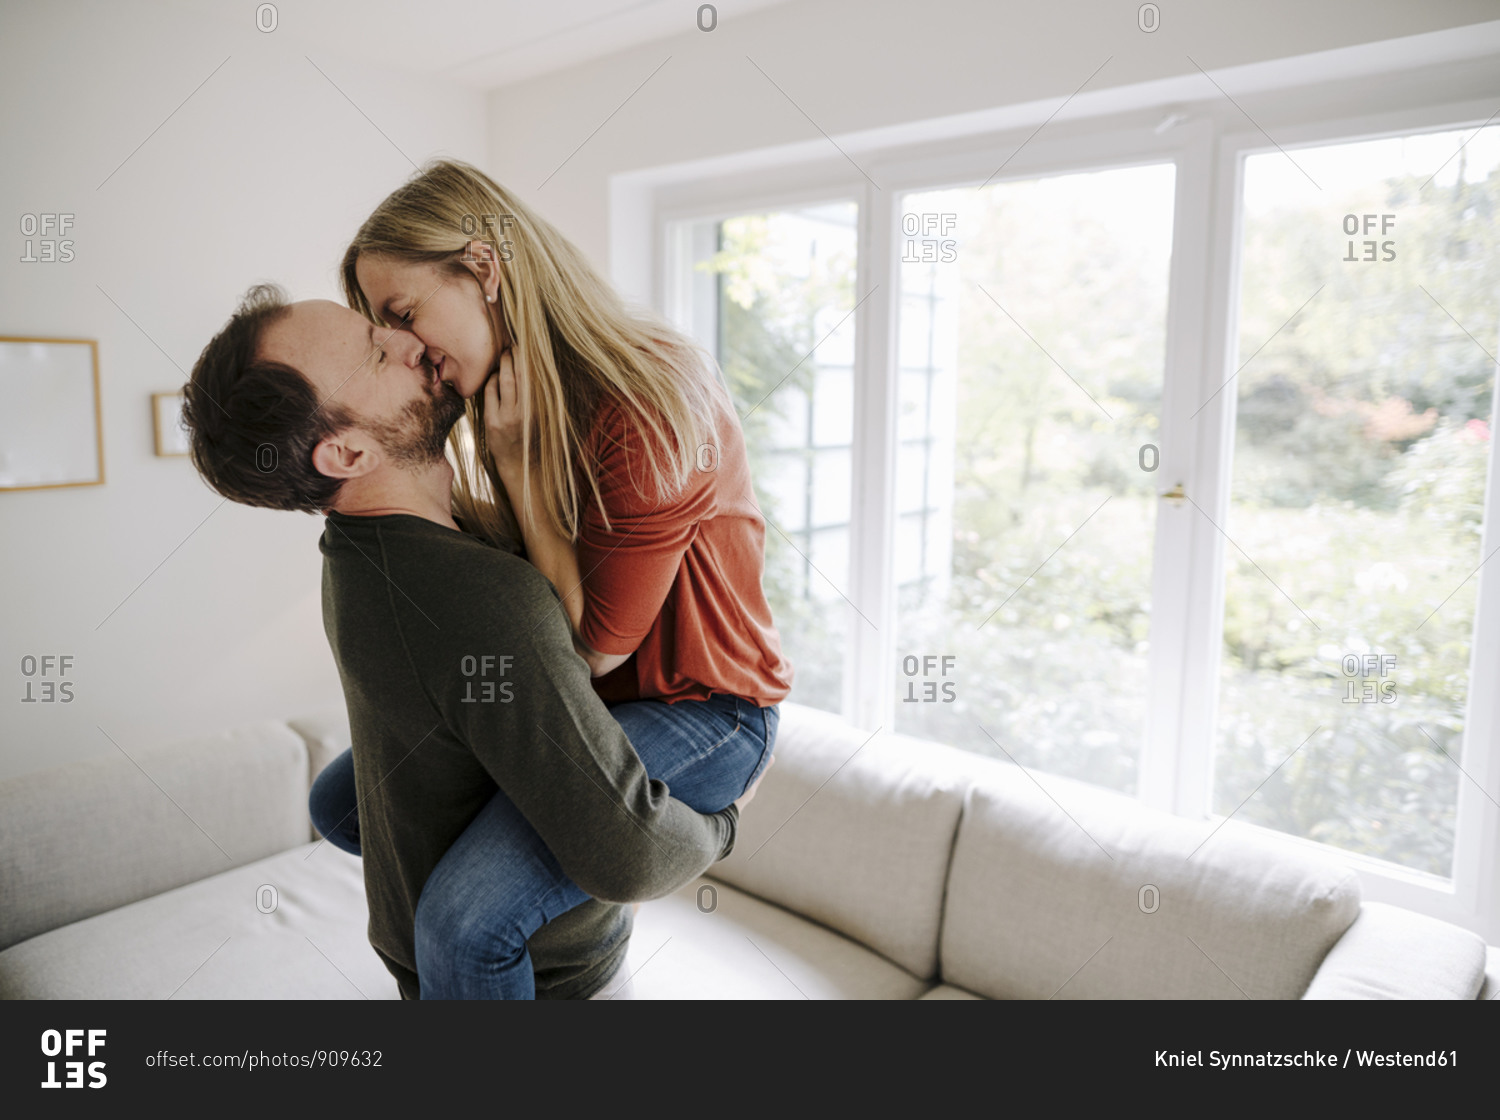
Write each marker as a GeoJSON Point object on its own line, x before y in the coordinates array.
{"type": "Point", "coordinates": [479, 258]}
{"type": "Point", "coordinates": [345, 455]}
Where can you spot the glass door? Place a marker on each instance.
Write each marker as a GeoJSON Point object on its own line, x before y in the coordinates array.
{"type": "Point", "coordinates": [1032, 328]}
{"type": "Point", "coordinates": [1369, 317]}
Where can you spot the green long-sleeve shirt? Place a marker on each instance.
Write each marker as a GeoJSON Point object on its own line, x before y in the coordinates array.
{"type": "Point", "coordinates": [460, 676]}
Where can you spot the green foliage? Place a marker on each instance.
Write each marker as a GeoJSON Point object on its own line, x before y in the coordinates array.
{"type": "Point", "coordinates": [1361, 450]}
{"type": "Point", "coordinates": [1362, 445]}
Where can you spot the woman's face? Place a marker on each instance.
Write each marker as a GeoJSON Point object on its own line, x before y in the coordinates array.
{"type": "Point", "coordinates": [446, 311]}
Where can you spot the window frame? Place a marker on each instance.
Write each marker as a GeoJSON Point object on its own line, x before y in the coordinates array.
{"type": "Point", "coordinates": [1118, 128]}
{"type": "Point", "coordinates": [1471, 898]}
{"type": "Point", "coordinates": [673, 296]}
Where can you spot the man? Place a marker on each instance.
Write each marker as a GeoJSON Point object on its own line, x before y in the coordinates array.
{"type": "Point", "coordinates": [457, 660]}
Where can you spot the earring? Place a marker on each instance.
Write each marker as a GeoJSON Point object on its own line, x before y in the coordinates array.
{"type": "Point", "coordinates": [490, 299]}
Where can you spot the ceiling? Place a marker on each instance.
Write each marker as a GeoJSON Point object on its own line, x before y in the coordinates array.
{"type": "Point", "coordinates": [484, 44]}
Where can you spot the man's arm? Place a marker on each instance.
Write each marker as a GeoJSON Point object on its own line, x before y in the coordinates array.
{"type": "Point", "coordinates": [549, 742]}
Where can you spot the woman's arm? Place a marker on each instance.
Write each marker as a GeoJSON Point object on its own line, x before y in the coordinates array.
{"type": "Point", "coordinates": [550, 552]}
{"type": "Point", "coordinates": [554, 556]}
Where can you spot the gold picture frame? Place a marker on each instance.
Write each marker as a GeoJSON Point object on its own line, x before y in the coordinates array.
{"type": "Point", "coordinates": [52, 425]}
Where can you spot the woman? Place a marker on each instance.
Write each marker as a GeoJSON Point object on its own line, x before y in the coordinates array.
{"type": "Point", "coordinates": [602, 443]}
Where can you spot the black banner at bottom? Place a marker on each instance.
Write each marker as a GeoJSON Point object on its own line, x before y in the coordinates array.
{"type": "Point", "coordinates": [80, 1058]}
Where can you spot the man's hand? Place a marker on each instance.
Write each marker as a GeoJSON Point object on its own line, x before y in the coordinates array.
{"type": "Point", "coordinates": [502, 419]}
{"type": "Point", "coordinates": [745, 798]}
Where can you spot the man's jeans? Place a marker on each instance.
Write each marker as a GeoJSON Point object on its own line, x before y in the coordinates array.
{"type": "Point", "coordinates": [499, 883]}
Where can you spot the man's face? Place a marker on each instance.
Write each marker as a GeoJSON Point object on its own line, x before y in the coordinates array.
{"type": "Point", "coordinates": [380, 377]}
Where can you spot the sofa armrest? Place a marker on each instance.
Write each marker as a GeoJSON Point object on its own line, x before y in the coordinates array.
{"type": "Point", "coordinates": [1491, 987]}
{"type": "Point", "coordinates": [1392, 953]}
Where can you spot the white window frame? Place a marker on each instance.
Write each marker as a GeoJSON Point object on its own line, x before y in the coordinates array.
{"type": "Point", "coordinates": [1114, 128]}
{"type": "Point", "coordinates": [1470, 897]}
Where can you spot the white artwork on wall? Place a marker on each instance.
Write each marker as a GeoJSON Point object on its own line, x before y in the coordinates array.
{"type": "Point", "coordinates": [171, 436]}
{"type": "Point", "coordinates": [51, 433]}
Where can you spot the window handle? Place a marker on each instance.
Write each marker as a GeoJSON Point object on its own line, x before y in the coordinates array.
{"type": "Point", "coordinates": [1175, 495]}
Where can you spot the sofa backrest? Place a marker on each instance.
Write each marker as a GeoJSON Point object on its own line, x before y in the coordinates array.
{"type": "Point", "coordinates": [951, 865]}
{"type": "Point", "coordinates": [1079, 893]}
{"type": "Point", "coordinates": [965, 868]}
{"type": "Point", "coordinates": [326, 735]}
{"type": "Point", "coordinates": [855, 832]}
{"type": "Point", "coordinates": [92, 835]}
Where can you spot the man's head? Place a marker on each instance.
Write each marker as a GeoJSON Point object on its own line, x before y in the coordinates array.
{"type": "Point", "coordinates": [289, 402]}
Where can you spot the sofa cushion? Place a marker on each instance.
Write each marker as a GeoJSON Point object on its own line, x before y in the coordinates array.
{"type": "Point", "coordinates": [854, 832]}
{"type": "Point", "coordinates": [710, 941]}
{"type": "Point", "coordinates": [1391, 953]}
{"type": "Point", "coordinates": [1083, 894]}
{"type": "Point", "coordinates": [210, 940]}
{"type": "Point", "coordinates": [88, 836]}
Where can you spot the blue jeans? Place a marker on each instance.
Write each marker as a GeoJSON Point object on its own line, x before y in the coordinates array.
{"type": "Point", "coordinates": [499, 883]}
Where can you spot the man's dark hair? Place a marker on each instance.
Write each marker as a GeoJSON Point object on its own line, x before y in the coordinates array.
{"type": "Point", "coordinates": [254, 423]}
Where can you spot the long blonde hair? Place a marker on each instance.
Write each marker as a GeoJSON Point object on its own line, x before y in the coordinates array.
{"type": "Point", "coordinates": [577, 344]}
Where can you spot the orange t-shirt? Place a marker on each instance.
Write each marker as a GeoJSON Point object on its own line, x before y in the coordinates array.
{"type": "Point", "coordinates": [676, 579]}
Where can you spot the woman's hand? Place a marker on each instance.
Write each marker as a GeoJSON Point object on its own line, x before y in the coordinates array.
{"type": "Point", "coordinates": [502, 418]}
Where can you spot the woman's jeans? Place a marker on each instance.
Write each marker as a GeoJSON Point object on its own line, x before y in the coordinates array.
{"type": "Point", "coordinates": [499, 883]}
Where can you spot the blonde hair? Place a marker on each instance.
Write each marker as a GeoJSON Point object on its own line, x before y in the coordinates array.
{"type": "Point", "coordinates": [574, 340]}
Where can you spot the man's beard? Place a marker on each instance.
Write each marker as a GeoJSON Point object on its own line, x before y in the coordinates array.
{"type": "Point", "coordinates": [415, 439]}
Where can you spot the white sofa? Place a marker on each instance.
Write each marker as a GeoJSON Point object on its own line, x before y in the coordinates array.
{"type": "Point", "coordinates": [887, 869]}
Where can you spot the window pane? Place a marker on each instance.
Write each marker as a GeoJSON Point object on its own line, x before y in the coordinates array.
{"type": "Point", "coordinates": [784, 337]}
{"type": "Point", "coordinates": [781, 484]}
{"type": "Point", "coordinates": [830, 490]}
{"type": "Point", "coordinates": [1025, 546]}
{"type": "Point", "coordinates": [1361, 446]}
{"type": "Point", "coordinates": [833, 402]}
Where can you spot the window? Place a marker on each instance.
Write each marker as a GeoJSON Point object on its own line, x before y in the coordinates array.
{"type": "Point", "coordinates": [777, 315]}
{"type": "Point", "coordinates": [1153, 455]}
{"type": "Point", "coordinates": [1030, 379]}
{"type": "Point", "coordinates": [1361, 449]}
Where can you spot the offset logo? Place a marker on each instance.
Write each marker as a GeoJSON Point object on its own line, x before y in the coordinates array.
{"type": "Point", "coordinates": [66, 1044]}
{"type": "Point", "coordinates": [911, 665]}
{"type": "Point", "coordinates": [36, 671]}
{"type": "Point", "coordinates": [52, 246]}
{"type": "Point", "coordinates": [482, 666]}
{"type": "Point", "coordinates": [1387, 248]}
{"type": "Point", "coordinates": [930, 231]}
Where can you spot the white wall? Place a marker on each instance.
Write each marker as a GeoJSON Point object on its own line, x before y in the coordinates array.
{"type": "Point", "coordinates": [861, 64]}
{"type": "Point", "coordinates": [263, 173]}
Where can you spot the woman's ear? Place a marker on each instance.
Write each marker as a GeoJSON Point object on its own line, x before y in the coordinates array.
{"type": "Point", "coordinates": [479, 258]}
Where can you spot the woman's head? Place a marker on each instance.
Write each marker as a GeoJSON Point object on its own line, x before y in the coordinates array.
{"type": "Point", "coordinates": [468, 268]}
{"type": "Point", "coordinates": [443, 307]}
{"type": "Point", "coordinates": [428, 260]}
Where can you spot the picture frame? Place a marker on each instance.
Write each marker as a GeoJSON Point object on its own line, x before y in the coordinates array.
{"type": "Point", "coordinates": [52, 425]}
{"type": "Point", "coordinates": [166, 421]}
